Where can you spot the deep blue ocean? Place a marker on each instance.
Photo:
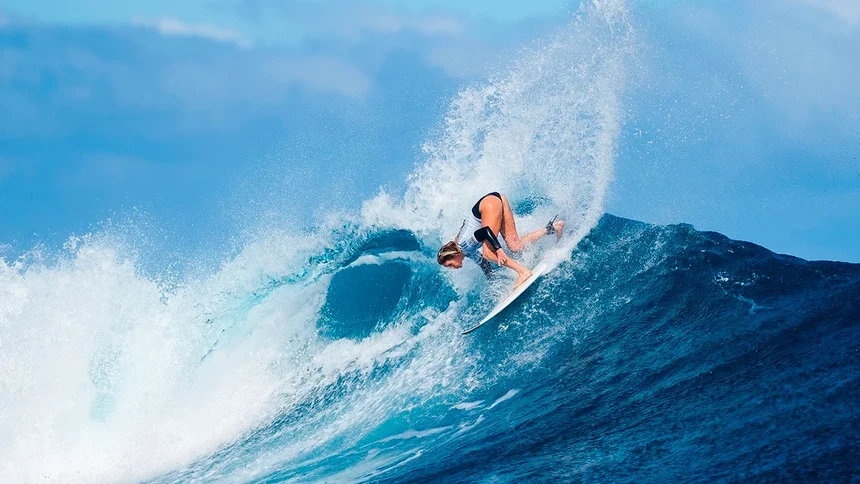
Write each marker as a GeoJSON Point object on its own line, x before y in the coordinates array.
{"type": "Point", "coordinates": [653, 354]}
{"type": "Point", "coordinates": [649, 353]}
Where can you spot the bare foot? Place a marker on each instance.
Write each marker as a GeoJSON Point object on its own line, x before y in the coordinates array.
{"type": "Point", "coordinates": [559, 229]}
{"type": "Point", "coordinates": [522, 278]}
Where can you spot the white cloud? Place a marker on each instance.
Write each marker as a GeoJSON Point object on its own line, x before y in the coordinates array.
{"type": "Point", "coordinates": [362, 17]}
{"type": "Point", "coordinates": [323, 73]}
{"type": "Point", "coordinates": [347, 45]}
{"type": "Point", "coordinates": [228, 92]}
{"type": "Point", "coordinates": [462, 57]}
{"type": "Point", "coordinates": [345, 19]}
{"type": "Point", "coordinates": [8, 18]}
{"type": "Point", "coordinates": [175, 27]}
{"type": "Point", "coordinates": [847, 10]}
{"type": "Point", "coordinates": [365, 32]}
{"type": "Point", "coordinates": [440, 25]}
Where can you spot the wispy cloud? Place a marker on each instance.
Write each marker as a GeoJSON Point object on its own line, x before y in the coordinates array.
{"type": "Point", "coordinates": [370, 31]}
{"type": "Point", "coordinates": [175, 27]}
{"type": "Point", "coordinates": [234, 87]}
{"type": "Point", "coordinates": [802, 66]}
{"type": "Point", "coordinates": [8, 18]}
{"type": "Point", "coordinates": [347, 19]}
{"type": "Point", "coordinates": [847, 10]}
{"type": "Point", "coordinates": [146, 73]}
{"type": "Point", "coordinates": [151, 69]}
{"type": "Point", "coordinates": [327, 73]}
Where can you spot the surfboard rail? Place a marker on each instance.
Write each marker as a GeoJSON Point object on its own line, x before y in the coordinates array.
{"type": "Point", "coordinates": [538, 271]}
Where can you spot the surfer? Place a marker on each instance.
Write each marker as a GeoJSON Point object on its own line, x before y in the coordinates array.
{"type": "Point", "coordinates": [477, 239]}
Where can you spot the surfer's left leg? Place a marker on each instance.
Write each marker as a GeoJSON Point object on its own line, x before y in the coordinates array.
{"type": "Point", "coordinates": [556, 227]}
{"type": "Point", "coordinates": [509, 229]}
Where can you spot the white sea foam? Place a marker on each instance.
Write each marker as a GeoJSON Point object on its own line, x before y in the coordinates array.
{"type": "Point", "coordinates": [100, 371]}
{"type": "Point", "coordinates": [507, 396]}
{"type": "Point", "coordinates": [547, 129]}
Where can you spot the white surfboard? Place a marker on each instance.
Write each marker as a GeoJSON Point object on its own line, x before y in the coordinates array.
{"type": "Point", "coordinates": [538, 271]}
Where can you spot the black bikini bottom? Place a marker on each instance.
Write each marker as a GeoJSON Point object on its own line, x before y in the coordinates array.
{"type": "Point", "coordinates": [476, 211]}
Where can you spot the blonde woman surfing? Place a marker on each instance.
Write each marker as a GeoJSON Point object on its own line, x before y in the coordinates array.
{"type": "Point", "coordinates": [478, 240]}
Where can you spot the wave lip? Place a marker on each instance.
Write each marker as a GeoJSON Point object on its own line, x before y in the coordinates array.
{"type": "Point", "coordinates": [547, 129]}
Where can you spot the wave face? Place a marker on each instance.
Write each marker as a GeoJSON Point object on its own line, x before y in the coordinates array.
{"type": "Point", "coordinates": [652, 353]}
{"type": "Point", "coordinates": [647, 353]}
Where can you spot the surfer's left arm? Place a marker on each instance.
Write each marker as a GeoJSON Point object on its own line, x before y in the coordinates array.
{"type": "Point", "coordinates": [491, 248]}
{"type": "Point", "coordinates": [498, 256]}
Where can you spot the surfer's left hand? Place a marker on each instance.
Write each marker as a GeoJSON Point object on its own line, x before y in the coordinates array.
{"type": "Point", "coordinates": [501, 257]}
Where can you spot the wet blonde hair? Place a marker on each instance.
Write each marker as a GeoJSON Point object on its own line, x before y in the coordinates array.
{"type": "Point", "coordinates": [450, 249]}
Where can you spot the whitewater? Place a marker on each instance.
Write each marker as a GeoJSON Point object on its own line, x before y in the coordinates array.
{"type": "Point", "coordinates": [334, 355]}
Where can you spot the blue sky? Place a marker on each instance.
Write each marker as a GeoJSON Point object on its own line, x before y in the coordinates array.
{"type": "Point", "coordinates": [742, 118]}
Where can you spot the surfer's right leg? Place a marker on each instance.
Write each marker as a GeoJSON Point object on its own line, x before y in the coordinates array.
{"type": "Point", "coordinates": [492, 216]}
{"type": "Point", "coordinates": [522, 275]}
{"type": "Point", "coordinates": [523, 272]}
